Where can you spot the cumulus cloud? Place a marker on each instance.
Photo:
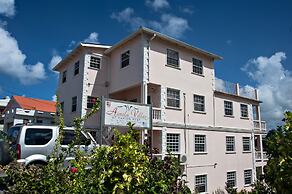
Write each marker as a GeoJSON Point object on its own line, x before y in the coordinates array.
{"type": "Point", "coordinates": [54, 61]}
{"type": "Point", "coordinates": [7, 7]}
{"type": "Point", "coordinates": [187, 10]}
{"type": "Point", "coordinates": [274, 84]}
{"type": "Point", "coordinates": [12, 61]}
{"type": "Point", "coordinates": [54, 98]}
{"type": "Point", "coordinates": [168, 24]}
{"type": "Point", "coordinates": [157, 4]}
{"type": "Point", "coordinates": [92, 38]}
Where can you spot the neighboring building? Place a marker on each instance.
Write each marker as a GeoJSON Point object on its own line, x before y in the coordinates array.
{"type": "Point", "coordinates": [3, 104]}
{"type": "Point", "coordinates": [23, 110]}
{"type": "Point", "coordinates": [217, 125]}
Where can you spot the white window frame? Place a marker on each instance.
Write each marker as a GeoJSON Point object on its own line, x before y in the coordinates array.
{"type": "Point", "coordinates": [227, 143]}
{"type": "Point", "coordinates": [202, 183]}
{"type": "Point", "coordinates": [226, 108]}
{"type": "Point", "coordinates": [177, 66]}
{"type": "Point", "coordinates": [244, 143]}
{"type": "Point", "coordinates": [199, 103]}
{"type": "Point", "coordinates": [173, 98]}
{"type": "Point", "coordinates": [126, 58]}
{"type": "Point", "coordinates": [74, 104]}
{"type": "Point", "coordinates": [243, 113]}
{"type": "Point", "coordinates": [247, 176]}
{"type": "Point", "coordinates": [94, 64]}
{"type": "Point", "coordinates": [229, 177]}
{"type": "Point", "coordinates": [201, 68]}
{"type": "Point", "coordinates": [198, 142]}
{"type": "Point", "coordinates": [173, 142]}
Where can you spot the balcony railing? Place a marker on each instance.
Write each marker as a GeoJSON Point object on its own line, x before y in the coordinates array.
{"type": "Point", "coordinates": [235, 89]}
{"type": "Point", "coordinates": [258, 156]}
{"type": "Point", "coordinates": [265, 156]}
{"type": "Point", "coordinates": [256, 125]}
{"type": "Point", "coordinates": [156, 114]}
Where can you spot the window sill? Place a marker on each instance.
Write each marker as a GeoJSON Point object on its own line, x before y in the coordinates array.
{"type": "Point", "coordinates": [125, 66]}
{"type": "Point", "coordinates": [245, 118]}
{"type": "Point", "coordinates": [248, 185]}
{"type": "Point", "coordinates": [202, 75]}
{"type": "Point", "coordinates": [200, 153]}
{"type": "Point", "coordinates": [230, 116]}
{"type": "Point", "coordinates": [246, 152]}
{"type": "Point", "coordinates": [172, 66]}
{"type": "Point", "coordinates": [96, 69]}
{"type": "Point", "coordinates": [173, 108]}
{"type": "Point", "coordinates": [199, 112]}
{"type": "Point", "coordinates": [233, 152]}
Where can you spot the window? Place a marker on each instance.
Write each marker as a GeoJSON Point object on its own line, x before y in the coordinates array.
{"type": "Point", "coordinates": [64, 76]}
{"type": "Point", "coordinates": [69, 137]}
{"type": "Point", "coordinates": [231, 179]}
{"type": "Point", "coordinates": [95, 62]}
{"type": "Point", "coordinates": [173, 142]}
{"type": "Point", "coordinates": [199, 103]}
{"type": "Point", "coordinates": [173, 98]}
{"type": "Point", "coordinates": [39, 121]}
{"type": "Point", "coordinates": [228, 107]}
{"type": "Point", "coordinates": [230, 144]}
{"type": "Point", "coordinates": [247, 177]}
{"type": "Point", "coordinates": [74, 104]}
{"type": "Point", "coordinates": [200, 183]}
{"type": "Point", "coordinates": [172, 58]}
{"type": "Point", "coordinates": [200, 143]}
{"type": "Point", "coordinates": [246, 144]}
{"type": "Point", "coordinates": [125, 59]}
{"type": "Point", "coordinates": [35, 136]}
{"type": "Point", "coordinates": [197, 66]}
{"type": "Point", "coordinates": [91, 101]}
{"type": "Point", "coordinates": [244, 110]}
{"type": "Point", "coordinates": [76, 68]}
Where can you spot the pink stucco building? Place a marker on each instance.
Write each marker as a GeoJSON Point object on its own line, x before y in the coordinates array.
{"type": "Point", "coordinates": [215, 125]}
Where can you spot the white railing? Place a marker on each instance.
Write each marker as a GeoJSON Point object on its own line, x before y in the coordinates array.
{"type": "Point", "coordinates": [258, 155]}
{"type": "Point", "coordinates": [256, 124]}
{"type": "Point", "coordinates": [225, 87]}
{"type": "Point", "coordinates": [263, 125]}
{"type": "Point", "coordinates": [265, 156]}
{"type": "Point", "coordinates": [156, 114]}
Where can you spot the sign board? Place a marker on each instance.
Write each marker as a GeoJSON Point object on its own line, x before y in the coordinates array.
{"type": "Point", "coordinates": [119, 113]}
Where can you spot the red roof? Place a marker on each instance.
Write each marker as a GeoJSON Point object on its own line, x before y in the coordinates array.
{"type": "Point", "coordinates": [35, 104]}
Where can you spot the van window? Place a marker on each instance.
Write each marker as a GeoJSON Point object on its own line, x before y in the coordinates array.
{"type": "Point", "coordinates": [13, 132]}
{"type": "Point", "coordinates": [35, 136]}
{"type": "Point", "coordinates": [69, 137]}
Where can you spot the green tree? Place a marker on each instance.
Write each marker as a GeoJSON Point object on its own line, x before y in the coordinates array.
{"type": "Point", "coordinates": [278, 171]}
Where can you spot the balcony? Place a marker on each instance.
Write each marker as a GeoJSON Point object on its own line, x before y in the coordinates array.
{"type": "Point", "coordinates": [156, 114]}
{"type": "Point", "coordinates": [259, 125]}
{"type": "Point", "coordinates": [258, 156]}
{"type": "Point", "coordinates": [235, 89]}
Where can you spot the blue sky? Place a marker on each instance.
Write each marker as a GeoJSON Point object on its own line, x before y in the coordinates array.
{"type": "Point", "coordinates": [253, 36]}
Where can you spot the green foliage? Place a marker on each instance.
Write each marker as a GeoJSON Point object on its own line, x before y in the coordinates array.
{"type": "Point", "coordinates": [278, 171]}
{"type": "Point", "coordinates": [124, 167]}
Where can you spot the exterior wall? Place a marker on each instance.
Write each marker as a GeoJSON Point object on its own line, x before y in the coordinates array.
{"type": "Point", "coordinates": [234, 121]}
{"type": "Point", "coordinates": [72, 87]}
{"type": "Point", "coordinates": [198, 164]}
{"type": "Point", "coordinates": [131, 75]}
{"type": "Point", "coordinates": [184, 80]}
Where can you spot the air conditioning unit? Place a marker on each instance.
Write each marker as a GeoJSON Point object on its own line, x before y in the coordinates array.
{"type": "Point", "coordinates": [183, 158]}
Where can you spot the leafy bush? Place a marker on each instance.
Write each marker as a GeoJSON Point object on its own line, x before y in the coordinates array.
{"type": "Point", "coordinates": [124, 167]}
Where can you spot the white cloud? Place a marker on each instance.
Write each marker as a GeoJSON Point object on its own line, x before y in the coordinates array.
{"type": "Point", "coordinates": [274, 85]}
{"type": "Point", "coordinates": [229, 42]}
{"type": "Point", "coordinates": [54, 61]}
{"type": "Point", "coordinates": [168, 24]}
{"type": "Point", "coordinates": [187, 10]}
{"type": "Point", "coordinates": [92, 38]}
{"type": "Point", "coordinates": [12, 61]}
{"type": "Point", "coordinates": [54, 98]}
{"type": "Point", "coordinates": [157, 4]}
{"type": "Point", "coordinates": [7, 7]}
{"type": "Point", "coordinates": [171, 25]}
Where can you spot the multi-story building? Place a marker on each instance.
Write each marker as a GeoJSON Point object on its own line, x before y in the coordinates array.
{"type": "Point", "coordinates": [3, 104]}
{"type": "Point", "coordinates": [23, 110]}
{"type": "Point", "coordinates": [216, 125]}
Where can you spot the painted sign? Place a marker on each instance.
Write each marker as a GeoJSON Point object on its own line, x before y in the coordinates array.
{"type": "Point", "coordinates": [119, 113]}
